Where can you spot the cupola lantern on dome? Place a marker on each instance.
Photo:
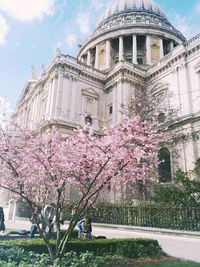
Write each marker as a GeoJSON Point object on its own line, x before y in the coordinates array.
{"type": "Point", "coordinates": [136, 31]}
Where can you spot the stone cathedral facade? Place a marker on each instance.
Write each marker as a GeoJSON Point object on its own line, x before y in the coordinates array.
{"type": "Point", "coordinates": [133, 45]}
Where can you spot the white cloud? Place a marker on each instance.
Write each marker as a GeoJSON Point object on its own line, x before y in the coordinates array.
{"type": "Point", "coordinates": [26, 10]}
{"type": "Point", "coordinates": [71, 40]}
{"type": "Point", "coordinates": [99, 5]}
{"type": "Point", "coordinates": [3, 29]}
{"type": "Point", "coordinates": [198, 7]}
{"type": "Point", "coordinates": [83, 23]}
{"type": "Point", "coordinates": [182, 24]}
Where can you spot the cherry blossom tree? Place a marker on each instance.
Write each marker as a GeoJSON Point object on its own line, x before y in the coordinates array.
{"type": "Point", "coordinates": [40, 167]}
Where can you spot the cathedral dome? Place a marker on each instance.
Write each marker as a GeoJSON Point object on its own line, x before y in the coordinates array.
{"type": "Point", "coordinates": [136, 31]}
{"type": "Point", "coordinates": [125, 6]}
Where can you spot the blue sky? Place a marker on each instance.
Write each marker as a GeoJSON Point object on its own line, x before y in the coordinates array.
{"type": "Point", "coordinates": [31, 30]}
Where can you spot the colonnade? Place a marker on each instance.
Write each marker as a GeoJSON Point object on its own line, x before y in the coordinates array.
{"type": "Point", "coordinates": [87, 58]}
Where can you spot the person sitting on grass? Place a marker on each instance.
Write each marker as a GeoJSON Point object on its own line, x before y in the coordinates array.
{"type": "Point", "coordinates": [35, 219]}
{"type": "Point", "coordinates": [85, 228]}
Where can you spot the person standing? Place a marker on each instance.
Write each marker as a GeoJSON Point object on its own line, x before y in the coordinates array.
{"type": "Point", "coordinates": [2, 221]}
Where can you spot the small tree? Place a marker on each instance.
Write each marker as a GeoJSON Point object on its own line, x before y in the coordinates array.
{"type": "Point", "coordinates": [40, 167]}
{"type": "Point", "coordinates": [197, 168]}
{"type": "Point", "coordinates": [151, 105]}
{"type": "Point", "coordinates": [182, 192]}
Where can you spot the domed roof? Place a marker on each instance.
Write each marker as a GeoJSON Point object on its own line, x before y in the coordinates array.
{"type": "Point", "coordinates": [121, 6]}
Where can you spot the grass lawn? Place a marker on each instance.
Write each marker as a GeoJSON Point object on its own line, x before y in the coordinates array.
{"type": "Point", "coordinates": [165, 261]}
{"type": "Point", "coordinates": [171, 264]}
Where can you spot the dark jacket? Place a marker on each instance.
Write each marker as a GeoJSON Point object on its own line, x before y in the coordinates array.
{"type": "Point", "coordinates": [2, 224]}
{"type": "Point", "coordinates": [83, 227]}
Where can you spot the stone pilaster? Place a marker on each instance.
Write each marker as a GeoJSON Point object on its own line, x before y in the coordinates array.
{"type": "Point", "coordinates": [59, 94]}
{"type": "Point", "coordinates": [53, 97]}
{"type": "Point", "coordinates": [73, 98]}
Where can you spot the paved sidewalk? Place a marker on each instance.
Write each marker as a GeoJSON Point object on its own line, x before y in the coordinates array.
{"type": "Point", "coordinates": [180, 244]}
{"type": "Point", "coordinates": [24, 224]}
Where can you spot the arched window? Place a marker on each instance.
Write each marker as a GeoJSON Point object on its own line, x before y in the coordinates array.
{"type": "Point", "coordinates": [164, 168]}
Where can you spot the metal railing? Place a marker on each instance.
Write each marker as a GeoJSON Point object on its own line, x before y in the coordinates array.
{"type": "Point", "coordinates": [157, 216]}
{"type": "Point", "coordinates": [154, 215]}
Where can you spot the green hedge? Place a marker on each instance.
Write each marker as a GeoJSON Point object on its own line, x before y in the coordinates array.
{"type": "Point", "coordinates": [133, 248]}
{"type": "Point", "coordinates": [73, 235]}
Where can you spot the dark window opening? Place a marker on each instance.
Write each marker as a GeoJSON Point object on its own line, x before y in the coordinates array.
{"type": "Point", "coordinates": [110, 109]}
{"type": "Point", "coordinates": [140, 60]}
{"type": "Point", "coordinates": [166, 46]}
{"type": "Point", "coordinates": [141, 49]}
{"type": "Point", "coordinates": [164, 168]}
{"type": "Point", "coordinates": [115, 51]}
{"type": "Point", "coordinates": [88, 120]}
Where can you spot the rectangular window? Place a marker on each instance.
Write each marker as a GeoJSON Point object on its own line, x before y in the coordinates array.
{"type": "Point", "coordinates": [110, 109]}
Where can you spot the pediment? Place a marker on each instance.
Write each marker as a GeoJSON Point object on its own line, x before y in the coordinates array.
{"type": "Point", "coordinates": [90, 92]}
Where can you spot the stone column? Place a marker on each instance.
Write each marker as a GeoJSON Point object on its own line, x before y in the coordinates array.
{"type": "Point", "coordinates": [161, 48]}
{"type": "Point", "coordinates": [108, 56]}
{"type": "Point", "coordinates": [121, 48]}
{"type": "Point", "coordinates": [97, 57]}
{"type": "Point", "coordinates": [73, 98]}
{"type": "Point", "coordinates": [134, 50]}
{"type": "Point", "coordinates": [148, 50]}
{"type": "Point", "coordinates": [171, 45]}
{"type": "Point", "coordinates": [89, 58]}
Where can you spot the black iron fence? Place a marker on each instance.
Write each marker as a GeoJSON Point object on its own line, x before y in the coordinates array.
{"type": "Point", "coordinates": [152, 215]}
{"type": "Point", "coordinates": [148, 215]}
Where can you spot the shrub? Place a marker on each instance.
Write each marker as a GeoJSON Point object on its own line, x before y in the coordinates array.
{"type": "Point", "coordinates": [7, 264]}
{"type": "Point", "coordinates": [73, 235]}
{"type": "Point", "coordinates": [16, 257]}
{"type": "Point", "coordinates": [133, 248]}
{"type": "Point", "coordinates": [87, 259]}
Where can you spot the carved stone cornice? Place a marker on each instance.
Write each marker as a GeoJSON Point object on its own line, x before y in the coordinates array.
{"type": "Point", "coordinates": [74, 70]}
